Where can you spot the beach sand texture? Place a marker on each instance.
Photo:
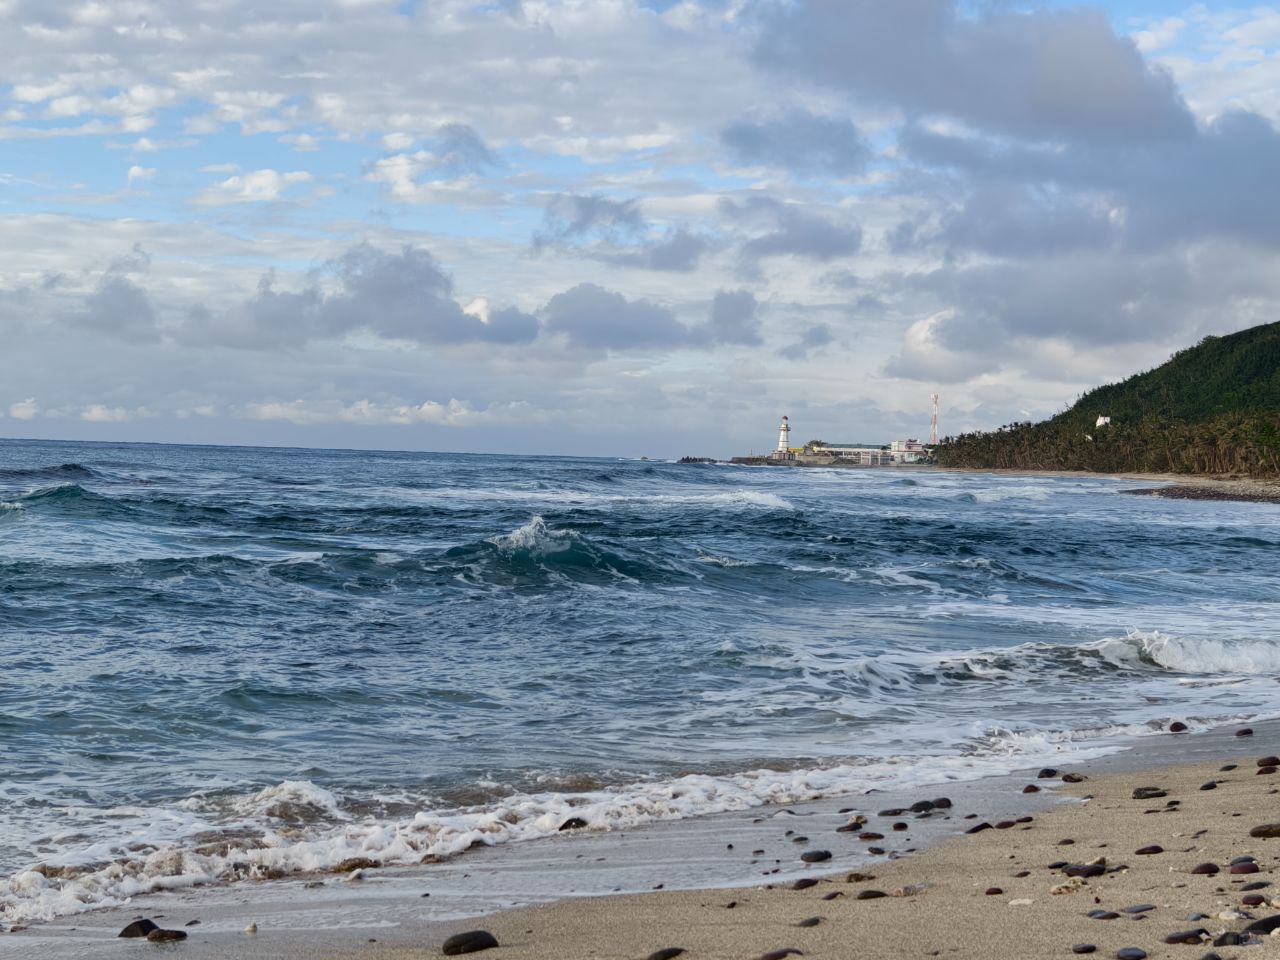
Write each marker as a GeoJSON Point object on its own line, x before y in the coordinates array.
{"type": "Point", "coordinates": [951, 907]}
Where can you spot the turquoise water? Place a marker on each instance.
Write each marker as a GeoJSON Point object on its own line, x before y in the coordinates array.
{"type": "Point", "coordinates": [232, 662]}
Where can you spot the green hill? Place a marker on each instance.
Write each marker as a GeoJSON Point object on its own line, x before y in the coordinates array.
{"type": "Point", "coordinates": [1212, 408]}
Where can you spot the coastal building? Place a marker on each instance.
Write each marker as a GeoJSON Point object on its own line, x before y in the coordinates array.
{"type": "Point", "coordinates": [849, 453]}
{"type": "Point", "coordinates": [1102, 422]}
{"type": "Point", "coordinates": [909, 451]}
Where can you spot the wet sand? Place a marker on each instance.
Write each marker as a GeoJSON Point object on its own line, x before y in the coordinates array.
{"type": "Point", "coordinates": [995, 893]}
{"type": "Point", "coordinates": [945, 909]}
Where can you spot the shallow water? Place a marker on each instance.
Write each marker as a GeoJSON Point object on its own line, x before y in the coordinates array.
{"type": "Point", "coordinates": [229, 662]}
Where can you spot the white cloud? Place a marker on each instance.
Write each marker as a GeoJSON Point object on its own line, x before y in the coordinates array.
{"type": "Point", "coordinates": [455, 413]}
{"type": "Point", "coordinates": [99, 413]}
{"type": "Point", "coordinates": [258, 186]}
{"type": "Point", "coordinates": [26, 409]}
{"type": "Point", "coordinates": [137, 173]}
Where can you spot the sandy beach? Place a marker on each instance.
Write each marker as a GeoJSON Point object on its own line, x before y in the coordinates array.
{"type": "Point", "coordinates": [1000, 892]}
{"type": "Point", "coordinates": [934, 888]}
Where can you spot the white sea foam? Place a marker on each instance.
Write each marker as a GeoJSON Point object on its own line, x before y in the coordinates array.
{"type": "Point", "coordinates": [1187, 655]}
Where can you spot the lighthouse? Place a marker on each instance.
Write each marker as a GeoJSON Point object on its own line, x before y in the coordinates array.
{"type": "Point", "coordinates": [784, 439]}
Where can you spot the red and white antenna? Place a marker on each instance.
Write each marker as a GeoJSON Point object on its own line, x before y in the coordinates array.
{"type": "Point", "coordinates": [933, 424]}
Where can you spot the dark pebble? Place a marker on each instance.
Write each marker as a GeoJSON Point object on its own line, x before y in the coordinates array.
{"type": "Point", "coordinates": [192, 923]}
{"type": "Point", "coordinates": [1269, 762]}
{"type": "Point", "coordinates": [1149, 793]}
{"type": "Point", "coordinates": [1083, 948]}
{"type": "Point", "coordinates": [1066, 843]}
{"type": "Point", "coordinates": [166, 936]}
{"type": "Point", "coordinates": [799, 839]}
{"type": "Point", "coordinates": [1264, 926]}
{"type": "Point", "coordinates": [1211, 956]}
{"type": "Point", "coordinates": [1256, 885]}
{"type": "Point", "coordinates": [815, 856]}
{"type": "Point", "coordinates": [473, 941]}
{"type": "Point", "coordinates": [804, 883]}
{"type": "Point", "coordinates": [994, 891]}
{"type": "Point", "coordinates": [1245, 732]}
{"type": "Point", "coordinates": [1266, 770]}
{"type": "Point", "coordinates": [666, 953]}
{"type": "Point", "coordinates": [1196, 936]}
{"type": "Point", "coordinates": [870, 835]}
{"type": "Point", "coordinates": [1057, 865]}
{"type": "Point", "coordinates": [900, 826]}
{"type": "Point", "coordinates": [573, 823]}
{"type": "Point", "coordinates": [1253, 900]}
{"type": "Point", "coordinates": [871, 895]}
{"type": "Point", "coordinates": [1147, 851]}
{"type": "Point", "coordinates": [833, 894]}
{"type": "Point", "coordinates": [1243, 859]}
{"type": "Point", "coordinates": [1004, 824]}
{"type": "Point", "coordinates": [1241, 868]}
{"type": "Point", "coordinates": [139, 928]}
{"type": "Point", "coordinates": [1103, 915]}
{"type": "Point", "coordinates": [1030, 788]}
{"type": "Point", "coordinates": [780, 954]}
{"type": "Point", "coordinates": [978, 828]}
{"type": "Point", "coordinates": [1048, 773]}
{"type": "Point", "coordinates": [1206, 869]}
{"type": "Point", "coordinates": [1266, 831]}
{"type": "Point", "coordinates": [1022, 873]}
{"type": "Point", "coordinates": [1074, 778]}
{"type": "Point", "coordinates": [858, 877]}
{"type": "Point", "coordinates": [922, 806]}
{"type": "Point", "coordinates": [892, 812]}
{"type": "Point", "coordinates": [1085, 870]}
{"type": "Point", "coordinates": [1140, 908]}
{"type": "Point", "coordinates": [1131, 953]}
{"type": "Point", "coordinates": [809, 922]}
{"type": "Point", "coordinates": [1231, 939]}
{"type": "Point", "coordinates": [876, 851]}
{"type": "Point", "coordinates": [942, 803]}
{"type": "Point", "coordinates": [1227, 768]}
{"type": "Point", "coordinates": [1177, 727]}
{"type": "Point", "coordinates": [1209, 786]}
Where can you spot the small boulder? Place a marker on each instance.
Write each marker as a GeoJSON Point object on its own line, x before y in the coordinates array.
{"type": "Point", "coordinates": [139, 928]}
{"type": "Point", "coordinates": [166, 936]}
{"type": "Point", "coordinates": [473, 941]}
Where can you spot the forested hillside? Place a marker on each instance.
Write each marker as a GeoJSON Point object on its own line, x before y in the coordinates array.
{"type": "Point", "coordinates": [1212, 408]}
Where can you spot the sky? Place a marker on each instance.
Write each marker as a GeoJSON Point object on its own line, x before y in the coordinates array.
{"type": "Point", "coordinates": [618, 227]}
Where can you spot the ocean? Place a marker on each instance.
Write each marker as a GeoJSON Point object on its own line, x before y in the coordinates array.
{"type": "Point", "coordinates": [224, 664]}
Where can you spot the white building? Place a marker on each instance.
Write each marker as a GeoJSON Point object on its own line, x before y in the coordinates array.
{"type": "Point", "coordinates": [909, 451]}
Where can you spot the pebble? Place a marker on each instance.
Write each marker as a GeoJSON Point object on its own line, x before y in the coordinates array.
{"type": "Point", "coordinates": [1206, 869]}
{"type": "Point", "coordinates": [892, 812]}
{"type": "Point", "coordinates": [1227, 768]}
{"type": "Point", "coordinates": [1022, 873]}
{"type": "Point", "coordinates": [922, 806]}
{"type": "Point", "coordinates": [1269, 762]}
{"type": "Point", "coordinates": [1266, 831]}
{"type": "Point", "coordinates": [1048, 773]}
{"type": "Point", "coordinates": [1030, 788]}
{"type": "Point", "coordinates": [1103, 915]}
{"type": "Point", "coordinates": [251, 928]}
{"type": "Point", "coordinates": [804, 883]}
{"type": "Point", "coordinates": [871, 895]}
{"type": "Point", "coordinates": [1149, 793]}
{"type": "Point", "coordinates": [1199, 935]}
{"type": "Point", "coordinates": [166, 936]}
{"type": "Point", "coordinates": [994, 891]}
{"type": "Point", "coordinates": [1245, 732]}
{"type": "Point", "coordinates": [1074, 778]}
{"type": "Point", "coordinates": [1265, 925]}
{"type": "Point", "coordinates": [1083, 948]}
{"type": "Point", "coordinates": [139, 928]}
{"type": "Point", "coordinates": [815, 856]}
{"type": "Point", "coordinates": [1147, 851]}
{"type": "Point", "coordinates": [1177, 727]}
{"type": "Point", "coordinates": [978, 828]}
{"type": "Point", "coordinates": [1209, 786]}
{"type": "Point", "coordinates": [573, 823]}
{"type": "Point", "coordinates": [780, 954]}
{"type": "Point", "coordinates": [1084, 870]}
{"type": "Point", "coordinates": [1241, 868]}
{"type": "Point", "coordinates": [1253, 900]}
{"type": "Point", "coordinates": [1268, 770]}
{"type": "Point", "coordinates": [1004, 824]}
{"type": "Point", "coordinates": [809, 922]}
{"type": "Point", "coordinates": [1140, 908]}
{"type": "Point", "coordinates": [900, 826]}
{"type": "Point", "coordinates": [473, 941]}
{"type": "Point", "coordinates": [1066, 843]}
{"type": "Point", "coordinates": [1131, 953]}
{"type": "Point", "coordinates": [870, 835]}
{"type": "Point", "coordinates": [1230, 939]}
{"type": "Point", "coordinates": [833, 894]}
{"type": "Point", "coordinates": [1256, 885]}
{"type": "Point", "coordinates": [666, 953]}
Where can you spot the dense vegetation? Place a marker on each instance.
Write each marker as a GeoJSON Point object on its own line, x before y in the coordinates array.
{"type": "Point", "coordinates": [1212, 408]}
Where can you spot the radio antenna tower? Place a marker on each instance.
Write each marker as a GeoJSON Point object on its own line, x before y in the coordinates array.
{"type": "Point", "coordinates": [933, 424]}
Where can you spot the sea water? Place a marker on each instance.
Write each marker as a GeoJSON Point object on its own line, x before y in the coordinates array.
{"type": "Point", "coordinates": [223, 664]}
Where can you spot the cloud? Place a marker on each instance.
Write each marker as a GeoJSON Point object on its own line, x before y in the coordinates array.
{"type": "Point", "coordinates": [678, 252]}
{"type": "Point", "coordinates": [789, 231]}
{"type": "Point", "coordinates": [927, 356]}
{"type": "Point", "coordinates": [137, 173]}
{"type": "Point", "coordinates": [99, 413]}
{"type": "Point", "coordinates": [733, 318]}
{"type": "Point", "coordinates": [455, 413]}
{"type": "Point", "coordinates": [594, 318]}
{"type": "Point", "coordinates": [571, 219]}
{"type": "Point", "coordinates": [258, 186]}
{"type": "Point", "coordinates": [815, 337]}
{"type": "Point", "coordinates": [1044, 74]}
{"type": "Point", "coordinates": [456, 150]}
{"type": "Point", "coordinates": [26, 409]}
{"type": "Point", "coordinates": [119, 307]}
{"type": "Point", "coordinates": [800, 142]}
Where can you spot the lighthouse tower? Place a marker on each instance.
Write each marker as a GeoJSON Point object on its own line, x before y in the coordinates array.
{"type": "Point", "coordinates": [784, 439]}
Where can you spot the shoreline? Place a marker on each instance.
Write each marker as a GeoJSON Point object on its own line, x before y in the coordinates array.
{"type": "Point", "coordinates": [404, 913]}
